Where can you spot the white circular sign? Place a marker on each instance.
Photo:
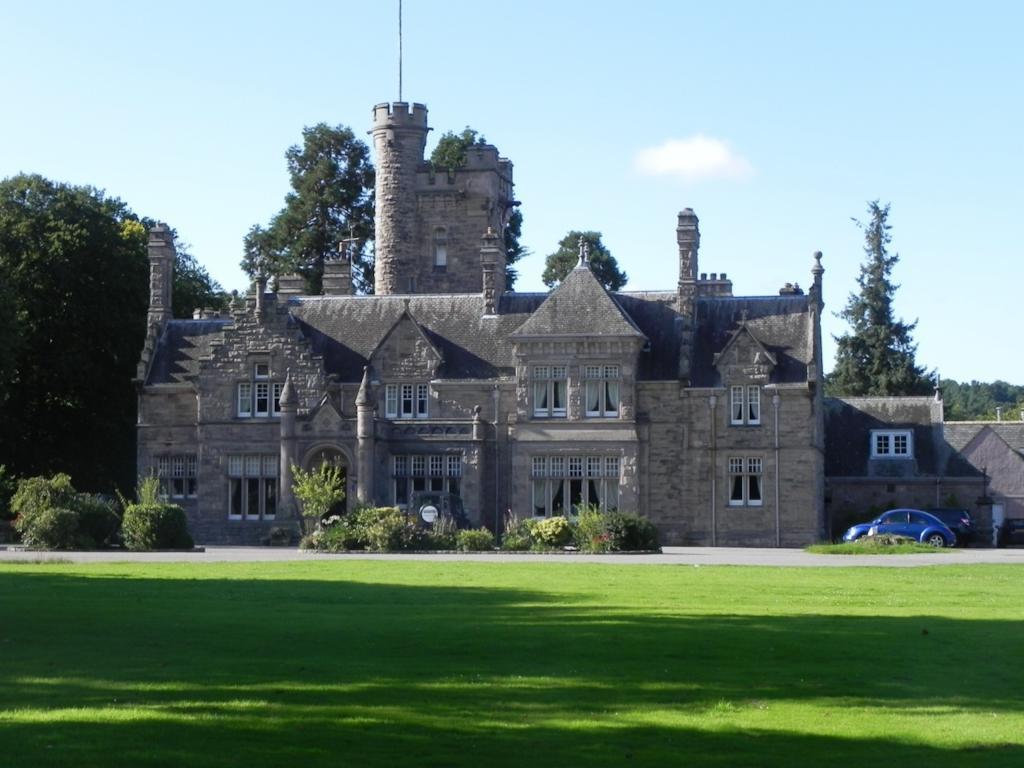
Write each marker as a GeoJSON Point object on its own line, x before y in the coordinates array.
{"type": "Point", "coordinates": [428, 513]}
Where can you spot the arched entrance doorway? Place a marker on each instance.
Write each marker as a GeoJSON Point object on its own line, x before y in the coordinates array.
{"type": "Point", "coordinates": [331, 455]}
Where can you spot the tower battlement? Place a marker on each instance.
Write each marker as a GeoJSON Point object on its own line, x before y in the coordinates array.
{"type": "Point", "coordinates": [400, 115]}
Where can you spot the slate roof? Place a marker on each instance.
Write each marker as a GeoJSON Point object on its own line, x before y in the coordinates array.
{"type": "Point", "coordinates": [345, 330]}
{"type": "Point", "coordinates": [960, 433]}
{"type": "Point", "coordinates": [781, 323]}
{"type": "Point", "coordinates": [848, 425]}
{"type": "Point", "coordinates": [184, 342]}
{"type": "Point", "coordinates": [579, 306]}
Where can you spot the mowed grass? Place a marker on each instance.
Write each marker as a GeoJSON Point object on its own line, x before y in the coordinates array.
{"type": "Point", "coordinates": [386, 663]}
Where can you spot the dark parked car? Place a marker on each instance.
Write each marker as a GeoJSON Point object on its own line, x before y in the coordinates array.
{"type": "Point", "coordinates": [959, 521]}
{"type": "Point", "coordinates": [912, 523]}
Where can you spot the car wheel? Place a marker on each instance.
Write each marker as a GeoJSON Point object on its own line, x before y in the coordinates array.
{"type": "Point", "coordinates": [936, 540]}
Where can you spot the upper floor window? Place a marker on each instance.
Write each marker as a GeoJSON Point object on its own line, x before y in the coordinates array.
{"type": "Point", "coordinates": [892, 444]}
{"type": "Point", "coordinates": [418, 473]}
{"type": "Point", "coordinates": [406, 401]}
{"type": "Point", "coordinates": [259, 397]}
{"type": "Point", "coordinates": [602, 390]}
{"type": "Point", "coordinates": [440, 247]}
{"type": "Point", "coordinates": [745, 482]}
{"type": "Point", "coordinates": [549, 391]}
{"type": "Point", "coordinates": [745, 405]}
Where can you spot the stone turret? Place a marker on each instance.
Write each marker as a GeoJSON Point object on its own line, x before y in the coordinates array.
{"type": "Point", "coordinates": [399, 139]}
{"type": "Point", "coordinates": [493, 279]}
{"type": "Point", "coordinates": [289, 403]}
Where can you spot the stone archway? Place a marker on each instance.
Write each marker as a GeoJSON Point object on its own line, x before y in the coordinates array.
{"type": "Point", "coordinates": [329, 454]}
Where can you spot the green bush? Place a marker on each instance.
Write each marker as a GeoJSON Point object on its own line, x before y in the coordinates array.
{"type": "Point", "coordinates": [36, 519]}
{"type": "Point", "coordinates": [480, 540]}
{"type": "Point", "coordinates": [550, 533]}
{"type": "Point", "coordinates": [155, 526]}
{"type": "Point", "coordinates": [50, 528]}
{"type": "Point", "coordinates": [389, 530]}
{"type": "Point", "coordinates": [98, 523]}
{"type": "Point", "coordinates": [590, 531]}
{"type": "Point", "coordinates": [443, 534]}
{"type": "Point", "coordinates": [630, 533]}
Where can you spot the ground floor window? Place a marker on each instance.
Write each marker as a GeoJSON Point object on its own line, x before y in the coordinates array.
{"type": "Point", "coordinates": [252, 486]}
{"type": "Point", "coordinates": [745, 481]}
{"type": "Point", "coordinates": [562, 484]}
{"type": "Point", "coordinates": [177, 475]}
{"type": "Point", "coordinates": [438, 472]}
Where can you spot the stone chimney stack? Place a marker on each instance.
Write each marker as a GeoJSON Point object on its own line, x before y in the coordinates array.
{"type": "Point", "coordinates": [688, 238]}
{"type": "Point", "coordinates": [399, 139]}
{"type": "Point", "coordinates": [492, 265]}
{"type": "Point", "coordinates": [161, 274]}
{"type": "Point", "coordinates": [338, 275]}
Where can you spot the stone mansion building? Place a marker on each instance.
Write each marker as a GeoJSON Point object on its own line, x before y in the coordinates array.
{"type": "Point", "coordinates": [698, 409]}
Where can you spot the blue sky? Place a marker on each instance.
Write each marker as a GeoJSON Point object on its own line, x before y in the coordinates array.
{"type": "Point", "coordinates": [775, 122]}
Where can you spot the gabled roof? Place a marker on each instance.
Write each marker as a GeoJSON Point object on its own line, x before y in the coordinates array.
{"type": "Point", "coordinates": [781, 324]}
{"type": "Point", "coordinates": [182, 345]}
{"type": "Point", "coordinates": [406, 318]}
{"type": "Point", "coordinates": [739, 333]}
{"type": "Point", "coordinates": [579, 306]}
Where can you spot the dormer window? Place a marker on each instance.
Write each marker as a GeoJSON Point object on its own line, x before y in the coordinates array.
{"type": "Point", "coordinates": [259, 397]}
{"type": "Point", "coordinates": [406, 401]}
{"type": "Point", "coordinates": [745, 405]}
{"type": "Point", "coordinates": [549, 391]}
{"type": "Point", "coordinates": [440, 248]}
{"type": "Point", "coordinates": [892, 444]}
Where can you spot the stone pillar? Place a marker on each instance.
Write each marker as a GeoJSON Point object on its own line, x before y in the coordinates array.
{"type": "Point", "coordinates": [161, 274]}
{"type": "Point", "coordinates": [289, 408]}
{"type": "Point", "coordinates": [399, 138]}
{"type": "Point", "coordinates": [365, 441]}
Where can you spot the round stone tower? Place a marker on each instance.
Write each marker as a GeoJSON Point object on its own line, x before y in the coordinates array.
{"type": "Point", "coordinates": [399, 139]}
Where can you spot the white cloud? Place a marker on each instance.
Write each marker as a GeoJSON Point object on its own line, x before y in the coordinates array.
{"type": "Point", "coordinates": [693, 159]}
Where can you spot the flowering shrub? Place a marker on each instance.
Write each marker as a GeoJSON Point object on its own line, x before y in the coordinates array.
{"type": "Point", "coordinates": [551, 533]}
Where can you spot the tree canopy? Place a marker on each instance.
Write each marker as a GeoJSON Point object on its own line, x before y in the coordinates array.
{"type": "Point", "coordinates": [450, 154]}
{"type": "Point", "coordinates": [331, 177]}
{"type": "Point", "coordinates": [73, 265]}
{"type": "Point", "coordinates": [877, 356]}
{"type": "Point", "coordinates": [564, 260]}
{"type": "Point", "coordinates": [193, 286]}
{"type": "Point", "coordinates": [982, 401]}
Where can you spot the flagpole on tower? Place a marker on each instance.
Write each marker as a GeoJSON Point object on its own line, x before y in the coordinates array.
{"type": "Point", "coordinates": [399, 50]}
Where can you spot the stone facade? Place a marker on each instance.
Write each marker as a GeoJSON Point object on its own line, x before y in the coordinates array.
{"type": "Point", "coordinates": [694, 407]}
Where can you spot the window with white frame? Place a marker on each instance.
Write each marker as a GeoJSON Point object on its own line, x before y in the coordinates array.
{"type": "Point", "coordinates": [549, 391]}
{"type": "Point", "coordinates": [601, 385]}
{"type": "Point", "coordinates": [745, 405]}
{"type": "Point", "coordinates": [438, 472]}
{"type": "Point", "coordinates": [177, 475]}
{"type": "Point", "coordinates": [892, 444]}
{"type": "Point", "coordinates": [406, 401]}
{"type": "Point", "coordinates": [440, 248]}
{"type": "Point", "coordinates": [252, 486]}
{"type": "Point", "coordinates": [562, 484]}
{"type": "Point", "coordinates": [745, 474]}
{"type": "Point", "coordinates": [259, 397]}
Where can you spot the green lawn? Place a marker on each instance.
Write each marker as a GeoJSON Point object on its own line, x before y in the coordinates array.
{"type": "Point", "coordinates": [490, 664]}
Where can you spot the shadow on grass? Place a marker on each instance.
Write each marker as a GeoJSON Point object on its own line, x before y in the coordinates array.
{"type": "Point", "coordinates": [149, 672]}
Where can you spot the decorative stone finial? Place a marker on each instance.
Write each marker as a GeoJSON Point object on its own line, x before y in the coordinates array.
{"type": "Point", "coordinates": [584, 253]}
{"type": "Point", "coordinates": [288, 396]}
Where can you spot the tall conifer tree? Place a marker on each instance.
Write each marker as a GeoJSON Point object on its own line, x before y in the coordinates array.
{"type": "Point", "coordinates": [877, 356]}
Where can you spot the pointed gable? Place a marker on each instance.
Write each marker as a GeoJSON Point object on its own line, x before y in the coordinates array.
{"type": "Point", "coordinates": [579, 306]}
{"type": "Point", "coordinates": [744, 357]}
{"type": "Point", "coordinates": [406, 351]}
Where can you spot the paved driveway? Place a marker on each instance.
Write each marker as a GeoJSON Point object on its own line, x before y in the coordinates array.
{"type": "Point", "coordinates": [692, 556]}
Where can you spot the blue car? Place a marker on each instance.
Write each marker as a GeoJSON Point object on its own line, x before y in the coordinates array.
{"type": "Point", "coordinates": [912, 523]}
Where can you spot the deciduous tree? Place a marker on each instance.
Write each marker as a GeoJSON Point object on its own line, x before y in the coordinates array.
{"type": "Point", "coordinates": [564, 260]}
